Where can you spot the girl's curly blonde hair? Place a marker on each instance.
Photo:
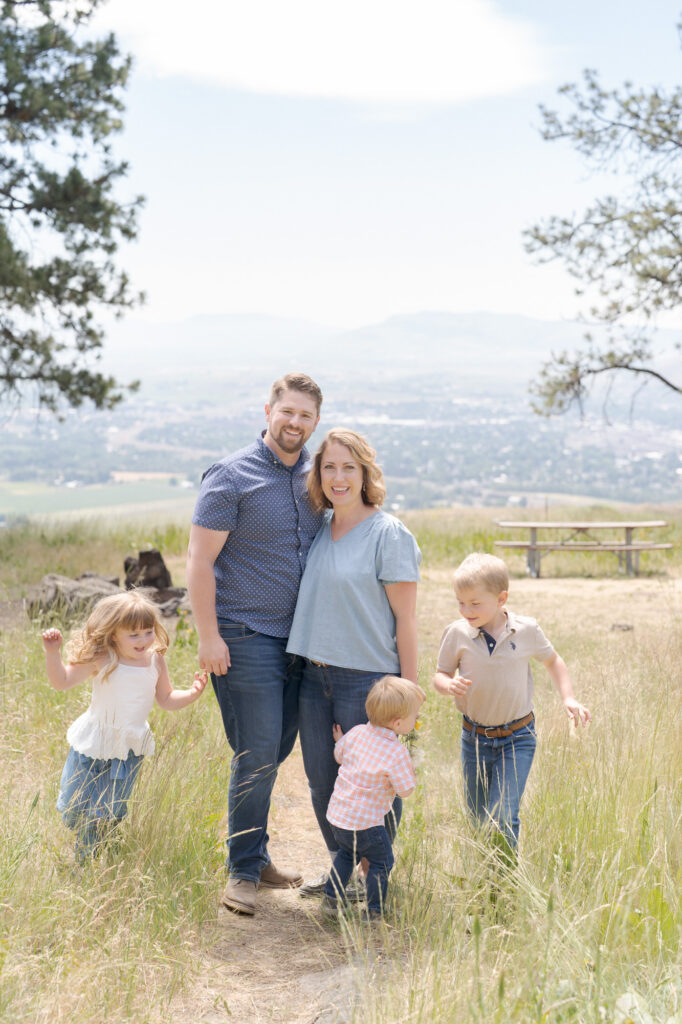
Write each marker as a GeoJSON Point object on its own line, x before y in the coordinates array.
{"type": "Point", "coordinates": [131, 611]}
{"type": "Point", "coordinates": [373, 489]}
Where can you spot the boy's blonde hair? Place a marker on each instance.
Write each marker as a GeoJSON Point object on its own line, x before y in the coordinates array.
{"type": "Point", "coordinates": [390, 698]}
{"type": "Point", "coordinates": [130, 610]}
{"type": "Point", "coordinates": [482, 570]}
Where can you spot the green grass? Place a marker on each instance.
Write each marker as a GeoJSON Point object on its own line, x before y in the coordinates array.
{"type": "Point", "coordinates": [446, 538]}
{"type": "Point", "coordinates": [28, 551]}
{"type": "Point", "coordinates": [593, 911]}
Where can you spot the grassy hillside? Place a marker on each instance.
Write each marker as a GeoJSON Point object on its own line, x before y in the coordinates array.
{"type": "Point", "coordinates": [590, 922]}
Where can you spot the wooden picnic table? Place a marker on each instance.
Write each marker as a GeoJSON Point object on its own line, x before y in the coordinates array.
{"type": "Point", "coordinates": [580, 538]}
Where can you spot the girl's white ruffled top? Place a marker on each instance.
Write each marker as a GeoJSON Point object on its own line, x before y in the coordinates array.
{"type": "Point", "coordinates": [116, 721]}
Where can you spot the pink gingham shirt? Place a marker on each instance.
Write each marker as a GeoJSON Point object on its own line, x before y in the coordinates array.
{"type": "Point", "coordinates": [375, 767]}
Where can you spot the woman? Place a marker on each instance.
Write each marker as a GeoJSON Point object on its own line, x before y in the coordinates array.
{"type": "Point", "coordinates": [355, 618]}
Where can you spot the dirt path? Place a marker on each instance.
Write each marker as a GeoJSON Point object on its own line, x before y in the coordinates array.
{"type": "Point", "coordinates": [284, 964]}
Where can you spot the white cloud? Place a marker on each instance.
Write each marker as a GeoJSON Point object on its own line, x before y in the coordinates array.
{"type": "Point", "coordinates": [377, 51]}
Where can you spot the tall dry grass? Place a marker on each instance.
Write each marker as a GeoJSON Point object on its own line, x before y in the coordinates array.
{"type": "Point", "coordinates": [592, 913]}
{"type": "Point", "coordinates": [114, 939]}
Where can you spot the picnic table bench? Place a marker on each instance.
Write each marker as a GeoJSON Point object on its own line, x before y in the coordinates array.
{"type": "Point", "coordinates": [580, 538]}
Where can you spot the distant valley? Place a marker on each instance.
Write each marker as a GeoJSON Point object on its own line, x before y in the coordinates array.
{"type": "Point", "coordinates": [443, 397]}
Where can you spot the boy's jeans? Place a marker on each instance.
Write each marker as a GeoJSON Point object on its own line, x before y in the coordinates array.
{"type": "Point", "coordinates": [330, 694]}
{"type": "Point", "coordinates": [258, 701]}
{"type": "Point", "coordinates": [495, 776]}
{"type": "Point", "coordinates": [374, 844]}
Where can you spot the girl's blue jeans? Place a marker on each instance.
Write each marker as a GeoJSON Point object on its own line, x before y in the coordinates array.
{"type": "Point", "coordinates": [331, 694]}
{"type": "Point", "coordinates": [94, 791]}
{"type": "Point", "coordinates": [495, 775]}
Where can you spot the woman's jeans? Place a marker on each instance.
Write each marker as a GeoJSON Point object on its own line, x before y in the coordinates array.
{"type": "Point", "coordinates": [374, 844]}
{"type": "Point", "coordinates": [258, 700]}
{"type": "Point", "coordinates": [495, 775]}
{"type": "Point", "coordinates": [331, 695]}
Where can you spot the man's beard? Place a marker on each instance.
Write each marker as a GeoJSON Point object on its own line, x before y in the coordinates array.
{"type": "Point", "coordinates": [289, 444]}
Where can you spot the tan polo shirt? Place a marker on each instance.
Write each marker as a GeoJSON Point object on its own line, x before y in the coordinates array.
{"type": "Point", "coordinates": [501, 683]}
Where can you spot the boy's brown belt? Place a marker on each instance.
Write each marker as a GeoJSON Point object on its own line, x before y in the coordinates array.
{"type": "Point", "coordinates": [496, 732]}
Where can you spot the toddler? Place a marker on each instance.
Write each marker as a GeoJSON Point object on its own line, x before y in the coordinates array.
{"type": "Point", "coordinates": [484, 664]}
{"type": "Point", "coordinates": [374, 768]}
{"type": "Point", "coordinates": [121, 646]}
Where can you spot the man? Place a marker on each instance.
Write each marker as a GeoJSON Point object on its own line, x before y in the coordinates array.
{"type": "Point", "coordinates": [251, 531]}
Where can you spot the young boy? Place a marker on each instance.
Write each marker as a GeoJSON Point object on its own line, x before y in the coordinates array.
{"type": "Point", "coordinates": [375, 767]}
{"type": "Point", "coordinates": [483, 663]}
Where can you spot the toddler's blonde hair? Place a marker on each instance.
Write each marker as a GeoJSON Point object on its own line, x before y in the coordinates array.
{"type": "Point", "coordinates": [390, 698]}
{"type": "Point", "coordinates": [130, 610]}
{"type": "Point", "coordinates": [482, 570]}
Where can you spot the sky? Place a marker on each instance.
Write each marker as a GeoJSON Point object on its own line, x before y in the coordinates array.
{"type": "Point", "coordinates": [344, 162]}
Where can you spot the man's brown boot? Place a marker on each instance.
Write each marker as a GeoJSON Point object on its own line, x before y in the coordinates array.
{"type": "Point", "coordinates": [240, 896]}
{"type": "Point", "coordinates": [279, 878]}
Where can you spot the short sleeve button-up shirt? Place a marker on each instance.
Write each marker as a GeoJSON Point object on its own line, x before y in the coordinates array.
{"type": "Point", "coordinates": [264, 506]}
{"type": "Point", "coordinates": [375, 767]}
{"type": "Point", "coordinates": [501, 682]}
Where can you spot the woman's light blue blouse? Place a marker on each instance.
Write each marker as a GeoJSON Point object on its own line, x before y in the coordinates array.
{"type": "Point", "coordinates": [342, 615]}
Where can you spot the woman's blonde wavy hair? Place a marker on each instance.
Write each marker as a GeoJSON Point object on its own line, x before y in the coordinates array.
{"type": "Point", "coordinates": [373, 489]}
{"type": "Point", "coordinates": [130, 611]}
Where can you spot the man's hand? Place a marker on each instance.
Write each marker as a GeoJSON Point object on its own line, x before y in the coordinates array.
{"type": "Point", "coordinates": [214, 656]}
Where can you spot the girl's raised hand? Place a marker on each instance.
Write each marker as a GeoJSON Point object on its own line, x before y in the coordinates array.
{"type": "Point", "coordinates": [52, 639]}
{"type": "Point", "coordinates": [337, 732]}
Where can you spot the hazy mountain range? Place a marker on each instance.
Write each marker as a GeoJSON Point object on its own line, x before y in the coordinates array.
{"type": "Point", "coordinates": [493, 352]}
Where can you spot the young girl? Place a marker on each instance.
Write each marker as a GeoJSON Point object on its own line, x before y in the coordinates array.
{"type": "Point", "coordinates": [122, 645]}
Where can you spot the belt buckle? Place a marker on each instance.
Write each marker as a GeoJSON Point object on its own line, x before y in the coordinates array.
{"type": "Point", "coordinates": [493, 728]}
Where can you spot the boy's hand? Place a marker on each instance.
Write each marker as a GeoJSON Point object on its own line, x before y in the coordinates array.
{"type": "Point", "coordinates": [52, 639]}
{"type": "Point", "coordinates": [337, 732]}
{"type": "Point", "coordinates": [459, 686]}
{"type": "Point", "coordinates": [200, 680]}
{"type": "Point", "coordinates": [579, 714]}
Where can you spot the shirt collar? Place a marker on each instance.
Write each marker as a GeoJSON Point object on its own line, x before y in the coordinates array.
{"type": "Point", "coordinates": [382, 730]}
{"type": "Point", "coordinates": [474, 631]}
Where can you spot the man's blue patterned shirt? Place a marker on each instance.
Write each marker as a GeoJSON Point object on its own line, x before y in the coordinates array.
{"type": "Point", "coordinates": [264, 506]}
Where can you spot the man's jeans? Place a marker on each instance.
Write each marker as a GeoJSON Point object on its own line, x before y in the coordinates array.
{"type": "Point", "coordinates": [328, 695]}
{"type": "Point", "coordinates": [258, 701]}
{"type": "Point", "coordinates": [495, 776]}
{"type": "Point", "coordinates": [374, 844]}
